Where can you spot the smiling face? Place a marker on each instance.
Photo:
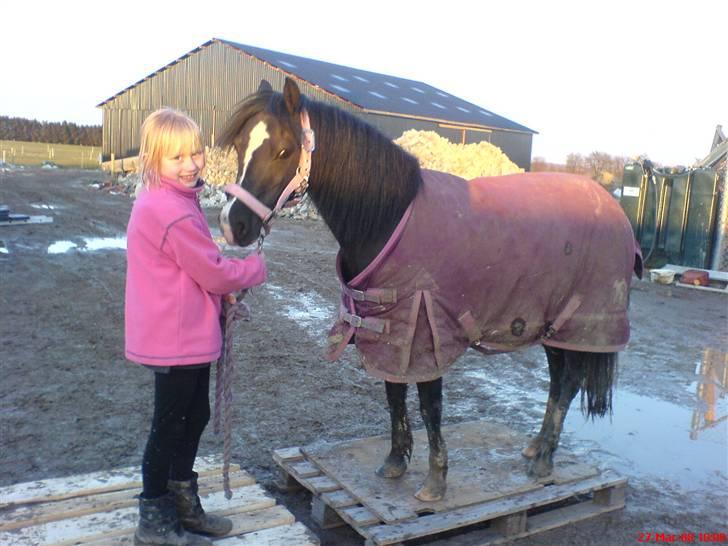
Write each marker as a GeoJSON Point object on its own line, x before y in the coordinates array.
{"type": "Point", "coordinates": [183, 166]}
{"type": "Point", "coordinates": [171, 147]}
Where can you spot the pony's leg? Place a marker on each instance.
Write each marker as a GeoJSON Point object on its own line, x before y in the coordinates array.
{"type": "Point", "coordinates": [572, 377]}
{"type": "Point", "coordinates": [555, 359]}
{"type": "Point", "coordinates": [401, 451]}
{"type": "Point", "coordinates": [430, 394]}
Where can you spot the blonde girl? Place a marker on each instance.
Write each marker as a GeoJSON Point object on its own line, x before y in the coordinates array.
{"type": "Point", "coordinates": [176, 278]}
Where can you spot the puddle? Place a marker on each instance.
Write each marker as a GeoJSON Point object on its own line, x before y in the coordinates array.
{"type": "Point", "coordinates": [660, 440]}
{"type": "Point", "coordinates": [89, 244]}
{"type": "Point", "coordinates": [656, 440]}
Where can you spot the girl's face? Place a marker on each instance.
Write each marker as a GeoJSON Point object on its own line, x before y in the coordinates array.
{"type": "Point", "coordinates": [183, 167]}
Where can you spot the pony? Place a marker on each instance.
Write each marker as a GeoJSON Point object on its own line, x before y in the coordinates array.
{"type": "Point", "coordinates": [367, 191]}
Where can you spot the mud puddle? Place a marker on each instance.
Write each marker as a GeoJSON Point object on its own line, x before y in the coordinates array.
{"type": "Point", "coordinates": [657, 440]}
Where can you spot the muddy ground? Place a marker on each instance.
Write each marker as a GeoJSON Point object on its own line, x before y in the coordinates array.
{"type": "Point", "coordinates": [70, 403]}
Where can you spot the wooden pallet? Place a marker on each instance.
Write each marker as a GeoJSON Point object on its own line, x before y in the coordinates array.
{"type": "Point", "coordinates": [488, 502]}
{"type": "Point", "coordinates": [101, 509]}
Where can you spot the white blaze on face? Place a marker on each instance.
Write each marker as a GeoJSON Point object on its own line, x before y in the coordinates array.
{"type": "Point", "coordinates": [257, 137]}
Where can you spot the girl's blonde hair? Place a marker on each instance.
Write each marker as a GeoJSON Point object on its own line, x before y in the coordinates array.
{"type": "Point", "coordinates": [166, 132]}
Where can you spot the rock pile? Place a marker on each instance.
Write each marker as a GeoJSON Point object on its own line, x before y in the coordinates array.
{"type": "Point", "coordinates": [465, 160]}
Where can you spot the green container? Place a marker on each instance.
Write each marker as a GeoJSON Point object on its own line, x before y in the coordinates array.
{"type": "Point", "coordinates": [630, 197]}
{"type": "Point", "coordinates": [700, 218]}
{"type": "Point", "coordinates": [672, 221]}
{"type": "Point", "coordinates": [675, 210]}
{"type": "Point", "coordinates": [652, 191]}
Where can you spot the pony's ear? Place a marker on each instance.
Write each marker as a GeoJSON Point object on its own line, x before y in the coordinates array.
{"type": "Point", "coordinates": [292, 96]}
{"type": "Point", "coordinates": [264, 86]}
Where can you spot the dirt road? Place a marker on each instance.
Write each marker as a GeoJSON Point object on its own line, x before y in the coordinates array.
{"type": "Point", "coordinates": [70, 403]}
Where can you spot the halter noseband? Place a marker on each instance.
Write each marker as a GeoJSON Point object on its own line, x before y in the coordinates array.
{"type": "Point", "coordinates": [297, 186]}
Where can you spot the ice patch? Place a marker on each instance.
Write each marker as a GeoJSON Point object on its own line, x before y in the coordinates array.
{"type": "Point", "coordinates": [89, 244]}
{"type": "Point", "coordinates": [105, 243]}
{"type": "Point", "coordinates": [307, 309]}
{"type": "Point", "coordinates": [60, 247]}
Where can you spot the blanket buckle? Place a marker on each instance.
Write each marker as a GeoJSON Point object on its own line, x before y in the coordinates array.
{"type": "Point", "coordinates": [355, 320]}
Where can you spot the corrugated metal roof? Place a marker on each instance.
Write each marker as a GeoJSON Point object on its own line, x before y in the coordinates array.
{"type": "Point", "coordinates": [382, 93]}
{"type": "Point", "coordinates": [371, 91]}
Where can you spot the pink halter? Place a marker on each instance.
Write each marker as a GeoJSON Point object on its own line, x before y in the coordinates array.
{"type": "Point", "coordinates": [298, 184]}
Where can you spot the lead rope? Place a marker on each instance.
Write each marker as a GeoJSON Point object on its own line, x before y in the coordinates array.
{"type": "Point", "coordinates": [225, 374]}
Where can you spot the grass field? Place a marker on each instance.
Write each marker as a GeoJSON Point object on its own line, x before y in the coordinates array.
{"type": "Point", "coordinates": [36, 153]}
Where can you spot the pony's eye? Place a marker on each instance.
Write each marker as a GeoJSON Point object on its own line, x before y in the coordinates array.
{"type": "Point", "coordinates": [283, 153]}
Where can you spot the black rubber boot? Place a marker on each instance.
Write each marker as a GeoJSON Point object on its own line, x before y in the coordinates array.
{"type": "Point", "coordinates": [190, 512]}
{"type": "Point", "coordinates": [159, 525]}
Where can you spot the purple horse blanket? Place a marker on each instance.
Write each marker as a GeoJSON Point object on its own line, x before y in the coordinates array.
{"type": "Point", "coordinates": [495, 263]}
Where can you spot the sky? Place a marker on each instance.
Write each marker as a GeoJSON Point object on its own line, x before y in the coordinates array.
{"type": "Point", "coordinates": [623, 77]}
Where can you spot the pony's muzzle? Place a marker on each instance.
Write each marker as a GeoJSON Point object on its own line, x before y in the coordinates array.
{"type": "Point", "coordinates": [224, 221]}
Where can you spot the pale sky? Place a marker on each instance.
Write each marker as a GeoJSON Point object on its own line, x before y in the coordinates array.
{"type": "Point", "coordinates": [625, 77]}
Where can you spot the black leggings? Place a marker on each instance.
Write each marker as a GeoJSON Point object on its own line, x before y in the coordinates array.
{"type": "Point", "coordinates": [181, 412]}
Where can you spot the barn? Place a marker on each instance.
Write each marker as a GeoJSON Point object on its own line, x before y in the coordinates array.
{"type": "Point", "coordinates": [211, 79]}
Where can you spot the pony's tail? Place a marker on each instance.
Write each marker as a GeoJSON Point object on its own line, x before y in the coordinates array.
{"type": "Point", "coordinates": [600, 374]}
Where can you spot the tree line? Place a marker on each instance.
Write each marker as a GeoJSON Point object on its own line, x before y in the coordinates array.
{"type": "Point", "coordinates": [602, 167]}
{"type": "Point", "coordinates": [55, 132]}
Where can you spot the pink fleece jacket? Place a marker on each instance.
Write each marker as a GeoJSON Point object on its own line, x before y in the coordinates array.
{"type": "Point", "coordinates": [175, 279]}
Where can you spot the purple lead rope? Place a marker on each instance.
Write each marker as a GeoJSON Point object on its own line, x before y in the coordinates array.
{"type": "Point", "coordinates": [224, 377]}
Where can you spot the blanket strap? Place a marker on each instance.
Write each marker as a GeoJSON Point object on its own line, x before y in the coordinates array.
{"type": "Point", "coordinates": [467, 321]}
{"type": "Point", "coordinates": [372, 295]}
{"type": "Point", "coordinates": [370, 323]}
{"type": "Point", "coordinates": [571, 306]}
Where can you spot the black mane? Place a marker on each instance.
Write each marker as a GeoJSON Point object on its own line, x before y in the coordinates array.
{"type": "Point", "coordinates": [366, 181]}
{"type": "Point", "coordinates": [361, 182]}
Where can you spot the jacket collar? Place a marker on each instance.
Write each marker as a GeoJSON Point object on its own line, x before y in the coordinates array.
{"type": "Point", "coordinates": [181, 188]}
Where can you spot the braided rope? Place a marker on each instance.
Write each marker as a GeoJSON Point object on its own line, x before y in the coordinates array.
{"type": "Point", "coordinates": [225, 374]}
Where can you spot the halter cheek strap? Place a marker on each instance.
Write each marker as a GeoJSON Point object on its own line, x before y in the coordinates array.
{"type": "Point", "coordinates": [298, 184]}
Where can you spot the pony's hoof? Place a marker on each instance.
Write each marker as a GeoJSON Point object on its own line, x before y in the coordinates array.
{"type": "Point", "coordinates": [540, 468]}
{"type": "Point", "coordinates": [529, 452]}
{"type": "Point", "coordinates": [430, 494]}
{"type": "Point", "coordinates": [392, 469]}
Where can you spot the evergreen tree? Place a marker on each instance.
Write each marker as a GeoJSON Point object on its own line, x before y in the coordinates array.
{"type": "Point", "coordinates": [31, 130]}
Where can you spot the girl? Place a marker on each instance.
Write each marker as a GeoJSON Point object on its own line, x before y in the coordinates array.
{"type": "Point", "coordinates": [175, 281]}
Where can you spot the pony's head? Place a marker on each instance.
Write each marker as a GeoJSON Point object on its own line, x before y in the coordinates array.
{"type": "Point", "coordinates": [267, 134]}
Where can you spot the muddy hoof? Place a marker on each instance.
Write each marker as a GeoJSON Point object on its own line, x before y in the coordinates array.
{"type": "Point", "coordinates": [392, 468]}
{"type": "Point", "coordinates": [540, 468]}
{"type": "Point", "coordinates": [430, 494]}
{"type": "Point", "coordinates": [433, 488]}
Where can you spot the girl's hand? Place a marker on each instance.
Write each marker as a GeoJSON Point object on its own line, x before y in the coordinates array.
{"type": "Point", "coordinates": [231, 298]}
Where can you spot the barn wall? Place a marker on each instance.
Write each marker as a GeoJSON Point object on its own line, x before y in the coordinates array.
{"type": "Point", "coordinates": [207, 84]}
{"type": "Point", "coordinates": [517, 146]}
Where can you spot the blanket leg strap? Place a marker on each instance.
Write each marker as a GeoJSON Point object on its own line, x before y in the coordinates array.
{"type": "Point", "coordinates": [571, 306]}
{"type": "Point", "coordinates": [467, 321]}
